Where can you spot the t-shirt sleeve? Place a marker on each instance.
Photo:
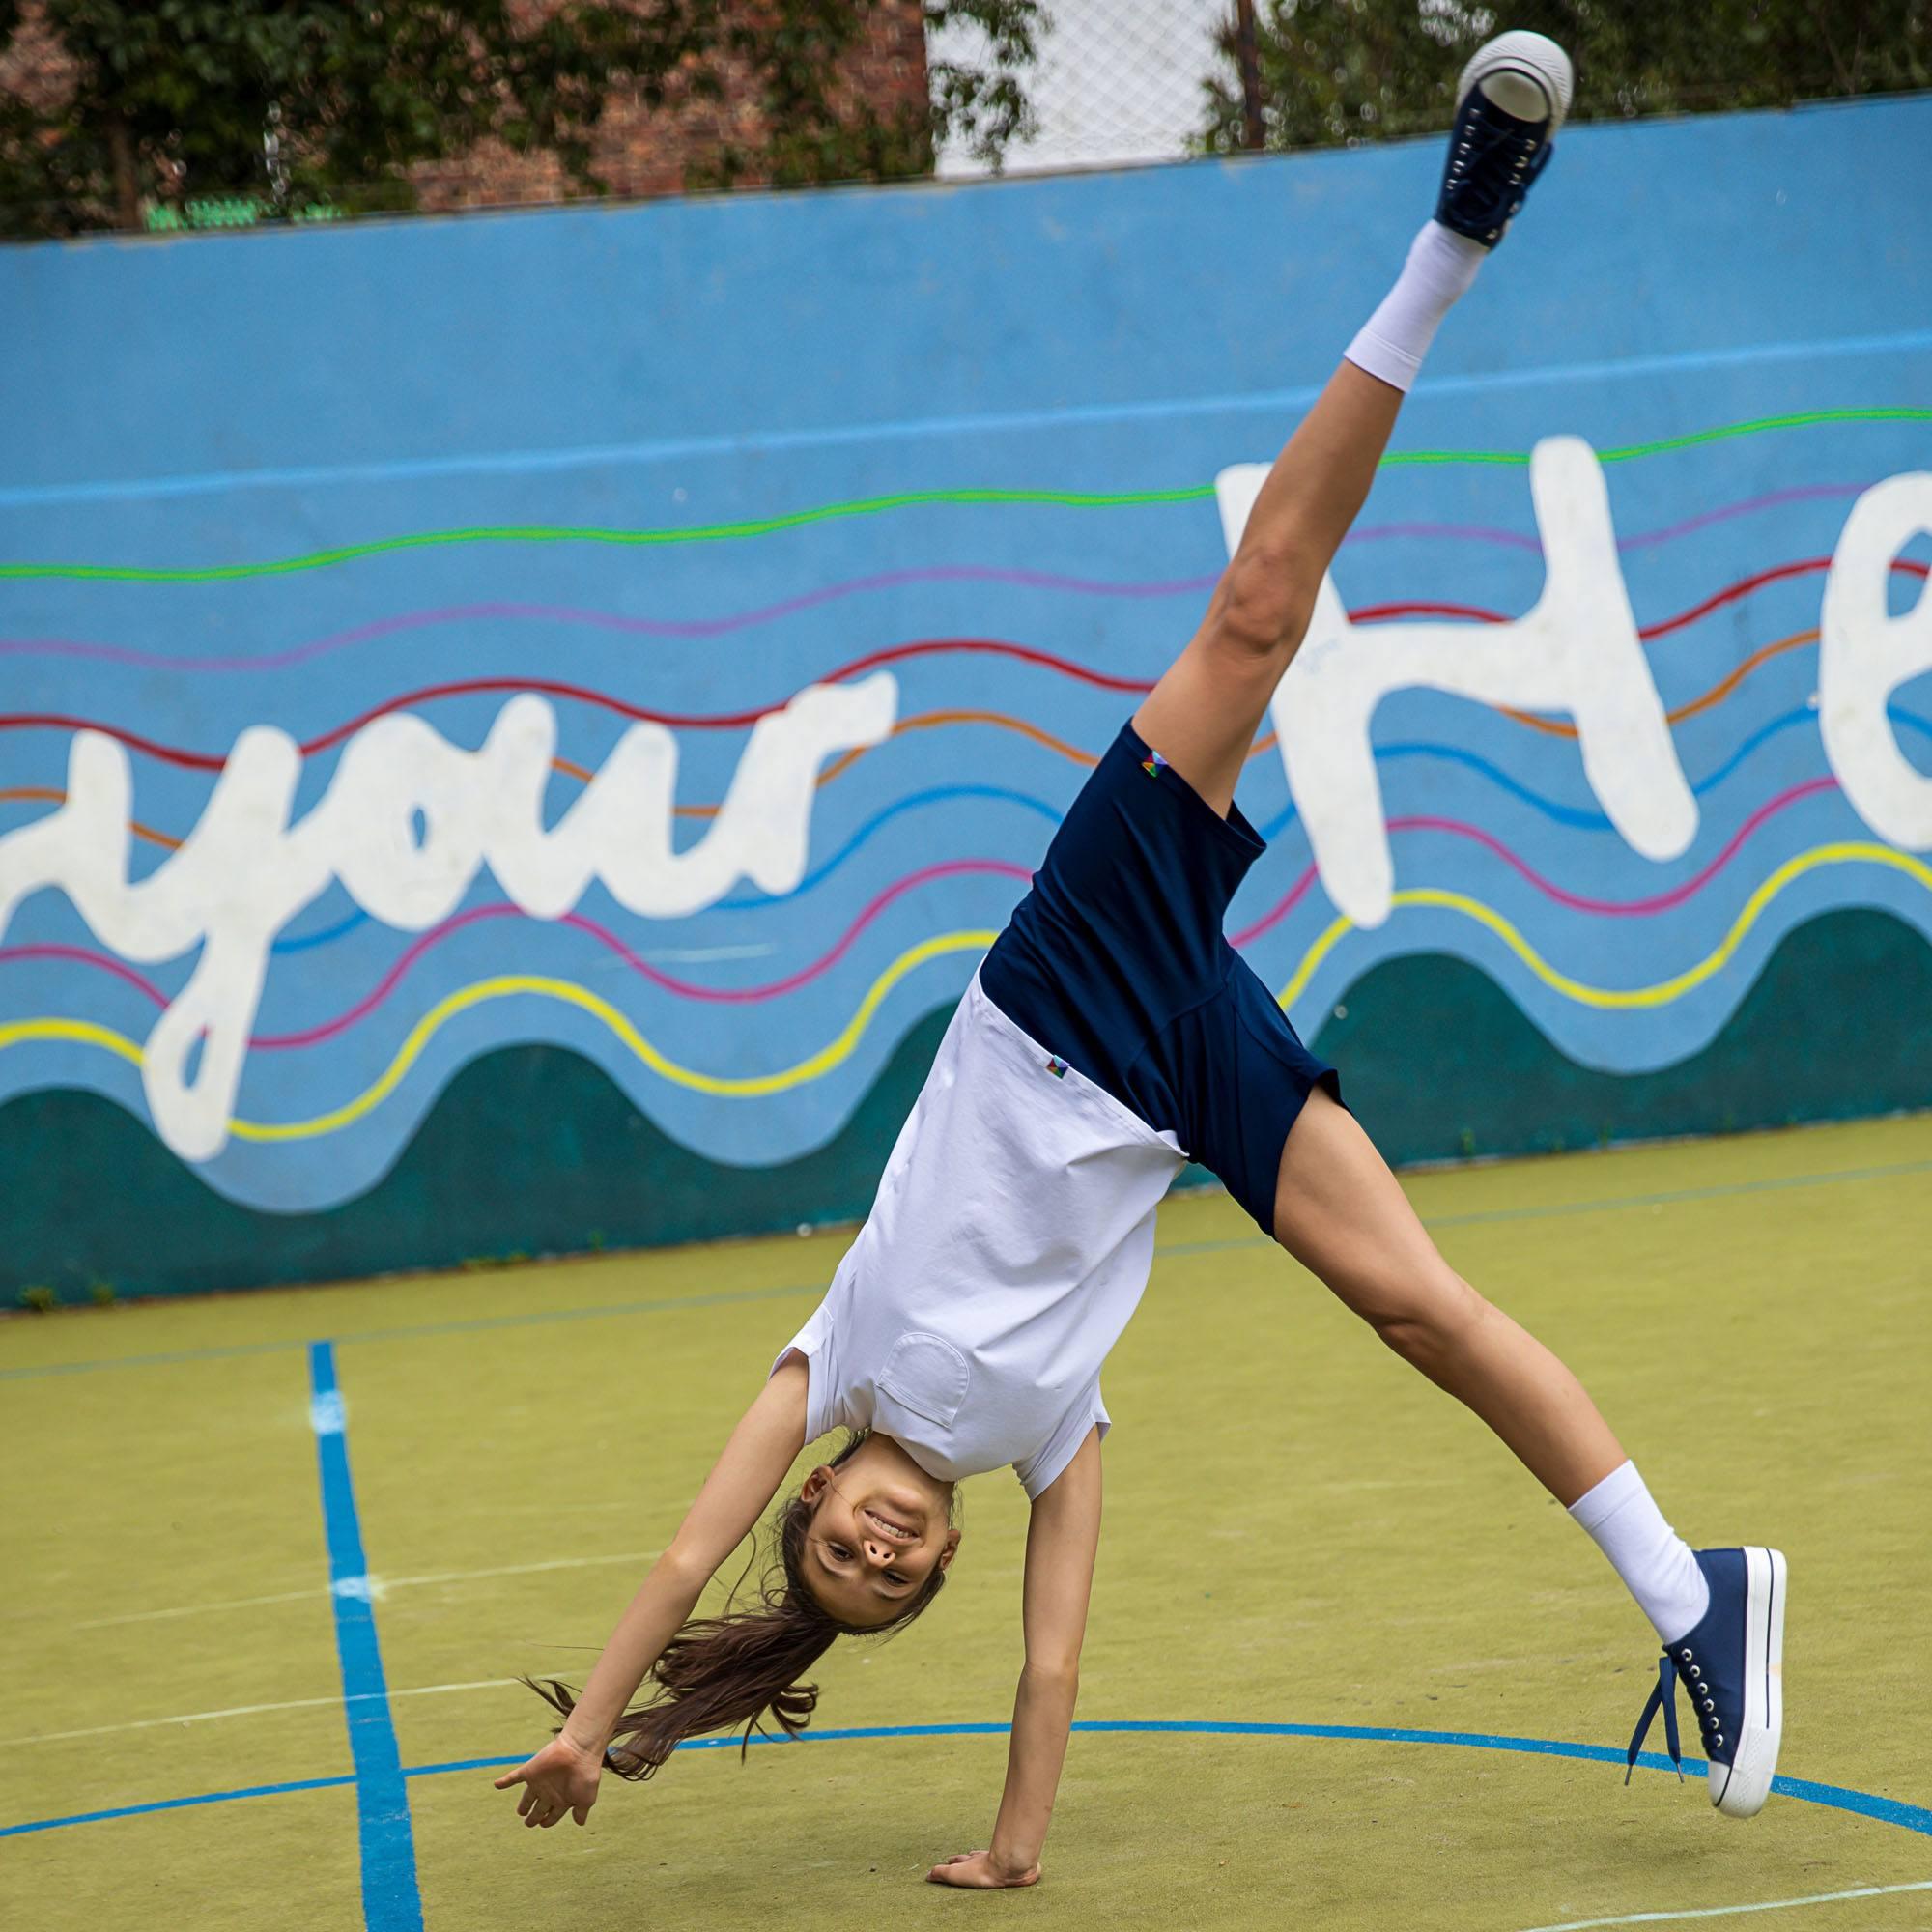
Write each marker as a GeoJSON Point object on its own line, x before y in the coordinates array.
{"type": "Point", "coordinates": [1037, 1472]}
{"type": "Point", "coordinates": [824, 1408]}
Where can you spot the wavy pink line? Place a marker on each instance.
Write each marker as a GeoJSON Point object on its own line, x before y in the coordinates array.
{"type": "Point", "coordinates": [604, 620]}
{"type": "Point", "coordinates": [1803, 493]}
{"type": "Point", "coordinates": [1627, 908]}
{"type": "Point", "coordinates": [889, 580]}
{"type": "Point", "coordinates": [776, 989]}
{"type": "Point", "coordinates": [80, 955]}
{"type": "Point", "coordinates": [1605, 908]}
{"type": "Point", "coordinates": [683, 989]}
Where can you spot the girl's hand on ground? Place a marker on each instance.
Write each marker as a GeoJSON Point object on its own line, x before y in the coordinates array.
{"type": "Point", "coordinates": [980, 1871]}
{"type": "Point", "coordinates": [563, 1777]}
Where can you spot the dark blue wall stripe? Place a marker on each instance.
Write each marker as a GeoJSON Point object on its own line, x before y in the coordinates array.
{"type": "Point", "coordinates": [390, 1900]}
{"type": "Point", "coordinates": [1608, 1203]}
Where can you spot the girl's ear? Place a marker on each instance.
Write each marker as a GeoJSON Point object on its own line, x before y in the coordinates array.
{"type": "Point", "coordinates": [814, 1486]}
{"type": "Point", "coordinates": [951, 1550]}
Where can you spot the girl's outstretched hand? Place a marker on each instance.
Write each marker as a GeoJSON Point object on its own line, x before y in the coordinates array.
{"type": "Point", "coordinates": [563, 1777]}
{"type": "Point", "coordinates": [980, 1871]}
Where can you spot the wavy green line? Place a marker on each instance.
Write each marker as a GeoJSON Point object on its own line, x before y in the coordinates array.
{"type": "Point", "coordinates": [865, 506]}
{"type": "Point", "coordinates": [1800, 419]}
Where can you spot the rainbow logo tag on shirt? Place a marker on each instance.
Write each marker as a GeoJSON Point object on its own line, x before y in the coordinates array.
{"type": "Point", "coordinates": [1154, 764]}
{"type": "Point", "coordinates": [1056, 1067]}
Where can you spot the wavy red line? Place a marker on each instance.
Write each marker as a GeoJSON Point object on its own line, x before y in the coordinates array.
{"type": "Point", "coordinates": [874, 659]}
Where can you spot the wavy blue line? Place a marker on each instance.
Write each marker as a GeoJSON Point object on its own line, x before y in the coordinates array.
{"type": "Point", "coordinates": [873, 824]}
{"type": "Point", "coordinates": [1575, 816]}
{"type": "Point", "coordinates": [342, 925]}
{"type": "Point", "coordinates": [936, 795]}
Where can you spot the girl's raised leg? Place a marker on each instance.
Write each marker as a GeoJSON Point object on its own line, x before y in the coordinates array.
{"type": "Point", "coordinates": [1202, 716]}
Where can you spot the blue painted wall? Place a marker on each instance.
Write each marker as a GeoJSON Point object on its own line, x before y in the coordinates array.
{"type": "Point", "coordinates": [206, 403]}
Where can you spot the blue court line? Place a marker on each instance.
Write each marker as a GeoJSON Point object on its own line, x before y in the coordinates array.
{"type": "Point", "coordinates": [1577, 818]}
{"type": "Point", "coordinates": [390, 1901]}
{"type": "Point", "coordinates": [538, 461]}
{"type": "Point", "coordinates": [178, 1804]}
{"type": "Point", "coordinates": [470, 1325]}
{"type": "Point", "coordinates": [542, 1318]}
{"type": "Point", "coordinates": [1836, 1796]}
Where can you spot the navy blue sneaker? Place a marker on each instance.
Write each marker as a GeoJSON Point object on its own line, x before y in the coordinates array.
{"type": "Point", "coordinates": [1509, 103]}
{"type": "Point", "coordinates": [1733, 1666]}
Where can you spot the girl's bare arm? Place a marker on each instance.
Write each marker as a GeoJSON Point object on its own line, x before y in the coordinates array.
{"type": "Point", "coordinates": [1062, 1542]}
{"type": "Point", "coordinates": [562, 1777]}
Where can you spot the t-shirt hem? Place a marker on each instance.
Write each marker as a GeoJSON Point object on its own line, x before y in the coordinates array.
{"type": "Point", "coordinates": [1125, 1116]}
{"type": "Point", "coordinates": [1043, 1476]}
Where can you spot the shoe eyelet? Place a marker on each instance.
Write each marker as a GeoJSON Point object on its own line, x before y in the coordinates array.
{"type": "Point", "coordinates": [1695, 1671]}
{"type": "Point", "coordinates": [1684, 1655]}
{"type": "Point", "coordinates": [1718, 1741]}
{"type": "Point", "coordinates": [1708, 1705]}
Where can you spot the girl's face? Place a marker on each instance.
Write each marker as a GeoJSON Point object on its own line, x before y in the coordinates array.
{"type": "Point", "coordinates": [880, 1524]}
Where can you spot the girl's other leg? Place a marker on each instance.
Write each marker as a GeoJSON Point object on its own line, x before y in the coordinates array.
{"type": "Point", "coordinates": [1341, 1214]}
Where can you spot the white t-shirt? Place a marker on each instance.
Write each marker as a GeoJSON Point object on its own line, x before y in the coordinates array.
{"type": "Point", "coordinates": [1008, 1245]}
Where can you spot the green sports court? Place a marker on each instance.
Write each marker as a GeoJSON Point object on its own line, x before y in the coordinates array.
{"type": "Point", "coordinates": [1272, 1473]}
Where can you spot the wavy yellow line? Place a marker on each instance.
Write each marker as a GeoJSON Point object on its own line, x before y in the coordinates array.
{"type": "Point", "coordinates": [748, 1087]}
{"type": "Point", "coordinates": [1611, 997]}
{"type": "Point", "coordinates": [840, 1049]}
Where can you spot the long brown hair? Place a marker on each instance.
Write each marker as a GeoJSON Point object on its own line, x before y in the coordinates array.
{"type": "Point", "coordinates": [720, 1672]}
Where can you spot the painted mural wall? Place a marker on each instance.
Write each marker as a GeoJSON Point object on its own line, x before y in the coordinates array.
{"type": "Point", "coordinates": [517, 730]}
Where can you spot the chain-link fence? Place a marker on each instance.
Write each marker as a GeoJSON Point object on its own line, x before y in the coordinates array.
{"type": "Point", "coordinates": [1113, 82]}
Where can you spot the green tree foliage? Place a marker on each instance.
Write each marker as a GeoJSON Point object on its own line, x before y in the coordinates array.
{"type": "Point", "coordinates": [326, 104]}
{"type": "Point", "coordinates": [1336, 73]}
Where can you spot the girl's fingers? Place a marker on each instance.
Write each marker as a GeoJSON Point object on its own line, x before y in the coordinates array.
{"type": "Point", "coordinates": [510, 1777]}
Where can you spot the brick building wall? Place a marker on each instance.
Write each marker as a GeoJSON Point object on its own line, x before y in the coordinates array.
{"type": "Point", "coordinates": [638, 151]}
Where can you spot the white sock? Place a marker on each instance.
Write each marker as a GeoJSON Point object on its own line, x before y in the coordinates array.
{"type": "Point", "coordinates": [1392, 343]}
{"type": "Point", "coordinates": [1654, 1561]}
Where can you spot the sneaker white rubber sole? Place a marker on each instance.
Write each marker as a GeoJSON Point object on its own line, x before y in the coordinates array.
{"type": "Point", "coordinates": [1525, 75]}
{"type": "Point", "coordinates": [1739, 1789]}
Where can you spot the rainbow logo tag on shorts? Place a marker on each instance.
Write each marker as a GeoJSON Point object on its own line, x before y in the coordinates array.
{"type": "Point", "coordinates": [1154, 764]}
{"type": "Point", "coordinates": [1056, 1067]}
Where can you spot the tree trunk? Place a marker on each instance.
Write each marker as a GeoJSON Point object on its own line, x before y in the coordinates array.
{"type": "Point", "coordinates": [126, 188]}
{"type": "Point", "coordinates": [1247, 57]}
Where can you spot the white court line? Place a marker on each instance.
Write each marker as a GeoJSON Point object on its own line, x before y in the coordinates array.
{"type": "Point", "coordinates": [379, 1584]}
{"type": "Point", "coordinates": [251, 1711]}
{"type": "Point", "coordinates": [518, 1569]}
{"type": "Point", "coordinates": [1729, 1911]}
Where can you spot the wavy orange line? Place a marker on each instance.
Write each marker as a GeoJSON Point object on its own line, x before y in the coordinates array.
{"type": "Point", "coordinates": [1556, 728]}
{"type": "Point", "coordinates": [50, 795]}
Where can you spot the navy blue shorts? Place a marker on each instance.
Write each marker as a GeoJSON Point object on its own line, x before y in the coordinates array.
{"type": "Point", "coordinates": [1117, 962]}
